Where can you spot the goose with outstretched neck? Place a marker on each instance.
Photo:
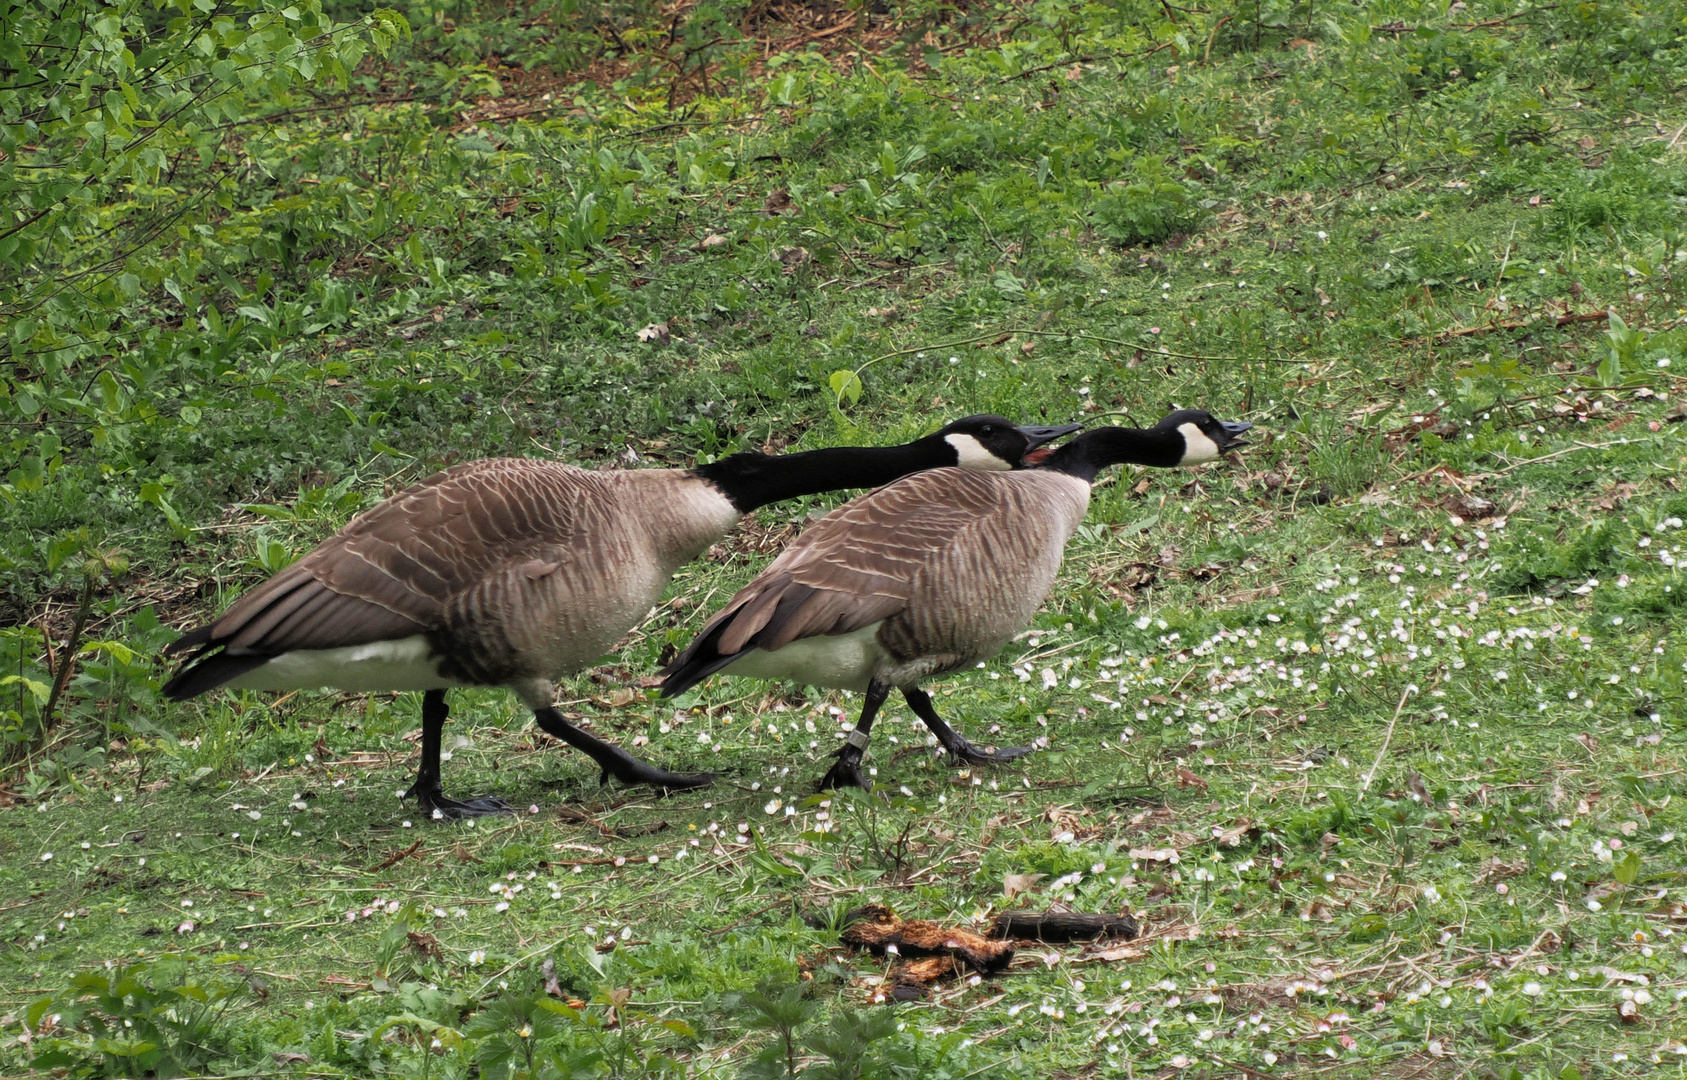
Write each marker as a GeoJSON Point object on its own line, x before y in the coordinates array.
{"type": "Point", "coordinates": [925, 576]}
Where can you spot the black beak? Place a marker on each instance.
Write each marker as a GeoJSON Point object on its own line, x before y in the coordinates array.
{"type": "Point", "coordinates": [1233, 432]}
{"type": "Point", "coordinates": [1037, 436]}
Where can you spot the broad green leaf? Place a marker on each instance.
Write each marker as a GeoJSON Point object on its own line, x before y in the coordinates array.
{"type": "Point", "coordinates": [845, 383]}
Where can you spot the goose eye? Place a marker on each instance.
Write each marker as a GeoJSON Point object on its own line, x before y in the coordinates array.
{"type": "Point", "coordinates": [987, 430]}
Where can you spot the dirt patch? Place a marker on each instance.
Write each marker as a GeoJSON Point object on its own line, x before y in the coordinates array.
{"type": "Point", "coordinates": [666, 62]}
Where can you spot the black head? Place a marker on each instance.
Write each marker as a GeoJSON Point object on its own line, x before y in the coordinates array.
{"type": "Point", "coordinates": [1186, 437]}
{"type": "Point", "coordinates": [994, 442]}
{"type": "Point", "coordinates": [1204, 438]}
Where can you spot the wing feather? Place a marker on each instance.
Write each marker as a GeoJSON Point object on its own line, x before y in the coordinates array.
{"type": "Point", "coordinates": [855, 567]}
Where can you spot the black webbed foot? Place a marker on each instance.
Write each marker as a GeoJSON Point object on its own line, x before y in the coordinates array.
{"type": "Point", "coordinates": [961, 752]}
{"type": "Point", "coordinates": [620, 765]}
{"type": "Point", "coordinates": [614, 761]}
{"type": "Point", "coordinates": [438, 806]}
{"type": "Point", "coordinates": [845, 772]}
{"type": "Point", "coordinates": [965, 753]}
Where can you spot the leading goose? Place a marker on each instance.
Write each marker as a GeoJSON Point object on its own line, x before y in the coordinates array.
{"type": "Point", "coordinates": [930, 574]}
{"type": "Point", "coordinates": [513, 572]}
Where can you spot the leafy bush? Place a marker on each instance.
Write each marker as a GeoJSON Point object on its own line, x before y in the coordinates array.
{"type": "Point", "coordinates": [1147, 208]}
{"type": "Point", "coordinates": [160, 1019]}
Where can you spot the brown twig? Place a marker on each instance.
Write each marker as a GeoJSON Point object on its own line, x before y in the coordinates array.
{"type": "Point", "coordinates": [1057, 63]}
{"type": "Point", "coordinates": [395, 858]}
{"type": "Point", "coordinates": [1562, 319]}
{"type": "Point", "coordinates": [61, 678]}
{"type": "Point", "coordinates": [1206, 57]}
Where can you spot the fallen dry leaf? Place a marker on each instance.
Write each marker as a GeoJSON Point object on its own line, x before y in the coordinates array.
{"type": "Point", "coordinates": [619, 699]}
{"type": "Point", "coordinates": [1018, 884]}
{"type": "Point", "coordinates": [654, 332]}
{"type": "Point", "coordinates": [1120, 952]}
{"type": "Point", "coordinates": [1619, 494]}
{"type": "Point", "coordinates": [1614, 975]}
{"type": "Point", "coordinates": [426, 945]}
{"type": "Point", "coordinates": [1232, 836]}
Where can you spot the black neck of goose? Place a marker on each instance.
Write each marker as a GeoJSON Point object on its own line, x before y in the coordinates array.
{"type": "Point", "coordinates": [1093, 451]}
{"type": "Point", "coordinates": [751, 479]}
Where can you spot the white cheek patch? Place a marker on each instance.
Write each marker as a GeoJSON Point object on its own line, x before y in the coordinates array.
{"type": "Point", "coordinates": [970, 454]}
{"type": "Point", "coordinates": [1196, 446]}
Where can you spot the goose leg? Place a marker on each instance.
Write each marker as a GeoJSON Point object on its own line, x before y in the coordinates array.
{"type": "Point", "coordinates": [846, 771]}
{"type": "Point", "coordinates": [426, 789]}
{"type": "Point", "coordinates": [614, 761]}
{"type": "Point", "coordinates": [961, 752]}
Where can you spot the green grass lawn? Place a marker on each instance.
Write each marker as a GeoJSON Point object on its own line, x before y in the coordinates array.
{"type": "Point", "coordinates": [1378, 727]}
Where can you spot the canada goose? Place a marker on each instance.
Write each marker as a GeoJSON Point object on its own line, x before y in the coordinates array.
{"type": "Point", "coordinates": [513, 572]}
{"type": "Point", "coordinates": [927, 575]}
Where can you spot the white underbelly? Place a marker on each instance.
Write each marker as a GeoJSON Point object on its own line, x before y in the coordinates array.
{"type": "Point", "coordinates": [840, 662]}
{"type": "Point", "coordinates": [404, 664]}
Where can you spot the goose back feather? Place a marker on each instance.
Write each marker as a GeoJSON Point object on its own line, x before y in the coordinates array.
{"type": "Point", "coordinates": [944, 567]}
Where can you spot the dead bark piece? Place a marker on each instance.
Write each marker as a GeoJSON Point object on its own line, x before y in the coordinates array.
{"type": "Point", "coordinates": [913, 978]}
{"type": "Point", "coordinates": [1062, 926]}
{"type": "Point", "coordinates": [881, 930]}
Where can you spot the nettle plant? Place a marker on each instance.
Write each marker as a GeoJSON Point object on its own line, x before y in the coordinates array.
{"type": "Point", "coordinates": [157, 1019]}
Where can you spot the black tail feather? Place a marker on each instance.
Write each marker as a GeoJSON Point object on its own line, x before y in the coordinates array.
{"type": "Point", "coordinates": [208, 673]}
{"type": "Point", "coordinates": [699, 660]}
{"type": "Point", "coordinates": [193, 639]}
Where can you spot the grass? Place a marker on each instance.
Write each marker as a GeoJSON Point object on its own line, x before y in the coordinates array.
{"type": "Point", "coordinates": [1378, 728]}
